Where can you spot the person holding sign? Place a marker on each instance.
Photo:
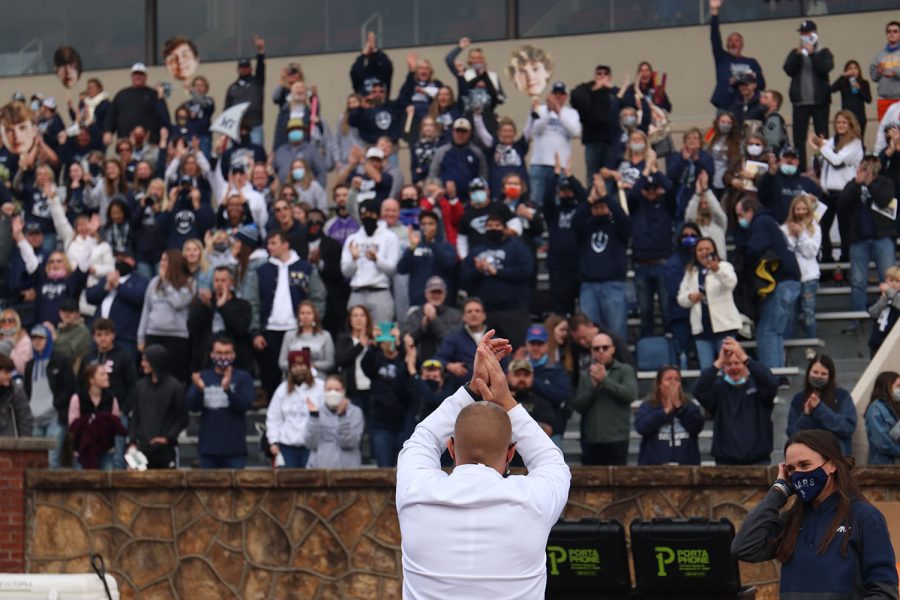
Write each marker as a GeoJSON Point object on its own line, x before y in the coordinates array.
{"type": "Point", "coordinates": [478, 533]}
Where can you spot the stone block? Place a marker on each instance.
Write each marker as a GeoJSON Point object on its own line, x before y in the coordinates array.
{"type": "Point", "coordinates": [227, 563]}
{"type": "Point", "coordinates": [58, 534]}
{"type": "Point", "coordinates": [255, 478]}
{"type": "Point", "coordinates": [362, 478]}
{"type": "Point", "coordinates": [387, 527]}
{"type": "Point", "coordinates": [301, 478]}
{"type": "Point", "coordinates": [208, 478]}
{"type": "Point", "coordinates": [198, 537]}
{"type": "Point", "coordinates": [278, 504]}
{"type": "Point", "coordinates": [267, 544]}
{"type": "Point", "coordinates": [322, 553]}
{"type": "Point", "coordinates": [745, 477]}
{"type": "Point", "coordinates": [650, 477]}
{"type": "Point", "coordinates": [257, 583]}
{"type": "Point", "coordinates": [148, 480]}
{"type": "Point", "coordinates": [351, 522]}
{"type": "Point", "coordinates": [153, 523]}
{"type": "Point", "coordinates": [196, 579]}
{"type": "Point", "coordinates": [590, 477]}
{"type": "Point", "coordinates": [147, 561]}
{"type": "Point", "coordinates": [295, 585]}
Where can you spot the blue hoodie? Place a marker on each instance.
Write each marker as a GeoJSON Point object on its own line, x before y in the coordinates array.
{"type": "Point", "coordinates": [669, 438]}
{"type": "Point", "coordinates": [602, 243]}
{"type": "Point", "coordinates": [776, 192]}
{"type": "Point", "coordinates": [509, 288]}
{"type": "Point", "coordinates": [223, 423]}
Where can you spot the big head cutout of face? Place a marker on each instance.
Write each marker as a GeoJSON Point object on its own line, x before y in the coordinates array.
{"type": "Point", "coordinates": [17, 128]}
{"type": "Point", "coordinates": [67, 63]}
{"type": "Point", "coordinates": [181, 57]}
{"type": "Point", "coordinates": [530, 68]}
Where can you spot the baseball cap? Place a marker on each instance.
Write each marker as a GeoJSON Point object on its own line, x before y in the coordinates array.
{"type": "Point", "coordinates": [603, 68]}
{"type": "Point", "coordinates": [536, 333]}
{"type": "Point", "coordinates": [746, 77]}
{"type": "Point", "coordinates": [435, 283]}
{"type": "Point", "coordinates": [521, 364]}
{"type": "Point", "coordinates": [807, 26]}
{"type": "Point", "coordinates": [301, 356]}
{"type": "Point", "coordinates": [294, 124]}
{"type": "Point", "coordinates": [49, 102]}
{"type": "Point", "coordinates": [462, 123]}
{"type": "Point", "coordinates": [32, 227]}
{"type": "Point", "coordinates": [375, 152]}
{"type": "Point", "coordinates": [18, 97]}
{"type": "Point", "coordinates": [433, 363]}
{"type": "Point", "coordinates": [477, 184]}
{"type": "Point", "coordinates": [69, 305]}
{"type": "Point", "coordinates": [248, 234]}
{"type": "Point", "coordinates": [238, 168]}
{"type": "Point", "coordinates": [244, 62]}
{"type": "Point", "coordinates": [39, 331]}
{"type": "Point", "coordinates": [139, 67]}
{"type": "Point", "coordinates": [564, 183]}
{"type": "Point", "coordinates": [651, 181]}
{"type": "Point", "coordinates": [559, 88]}
{"type": "Point", "coordinates": [789, 151]}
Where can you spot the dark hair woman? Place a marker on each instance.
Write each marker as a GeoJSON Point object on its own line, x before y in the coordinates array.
{"type": "Point", "coordinates": [882, 417]}
{"type": "Point", "coordinates": [823, 405]}
{"type": "Point", "coordinates": [831, 542]}
{"type": "Point", "coordinates": [668, 423]}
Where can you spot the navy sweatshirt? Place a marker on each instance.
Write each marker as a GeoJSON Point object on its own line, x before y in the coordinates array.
{"type": "Point", "coordinates": [389, 395]}
{"type": "Point", "coordinates": [867, 571]}
{"type": "Point", "coordinates": [509, 288]}
{"type": "Point", "coordinates": [728, 67]}
{"type": "Point", "coordinates": [223, 425]}
{"type": "Point", "coordinates": [427, 259]}
{"type": "Point", "coordinates": [669, 438]}
{"type": "Point", "coordinates": [742, 432]}
{"type": "Point", "coordinates": [776, 192]}
{"type": "Point", "coordinates": [840, 421]}
{"type": "Point", "coordinates": [763, 235]}
{"type": "Point", "coordinates": [652, 223]}
{"type": "Point", "coordinates": [505, 159]}
{"type": "Point", "coordinates": [366, 70]}
{"type": "Point", "coordinates": [602, 243]}
{"type": "Point", "coordinates": [562, 251]}
{"type": "Point", "coordinates": [126, 306]}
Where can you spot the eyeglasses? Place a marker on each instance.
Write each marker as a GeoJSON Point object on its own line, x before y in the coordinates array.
{"type": "Point", "coordinates": [601, 348]}
{"type": "Point", "coordinates": [7, 320]}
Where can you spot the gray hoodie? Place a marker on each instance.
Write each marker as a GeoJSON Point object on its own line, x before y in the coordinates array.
{"type": "Point", "coordinates": [165, 310]}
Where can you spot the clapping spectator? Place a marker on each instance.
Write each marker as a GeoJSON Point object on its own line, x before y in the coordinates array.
{"type": "Point", "coordinates": [855, 93]}
{"type": "Point", "coordinates": [292, 404]}
{"type": "Point", "coordinates": [823, 404]}
{"type": "Point", "coordinates": [388, 419]}
{"type": "Point", "coordinates": [669, 423]}
{"type": "Point", "coordinates": [119, 298]}
{"type": "Point", "coordinates": [460, 161]}
{"type": "Point", "coordinates": [553, 126]}
{"type": "Point", "coordinates": [334, 430]}
{"type": "Point", "coordinates": [886, 309]}
{"type": "Point", "coordinates": [249, 87]}
{"type": "Point", "coordinates": [432, 320]}
{"type": "Point", "coordinates": [369, 259]}
{"type": "Point", "coordinates": [804, 237]}
{"type": "Point", "coordinates": [729, 60]}
{"type": "Point", "coordinates": [783, 182]}
{"type": "Point", "coordinates": [705, 211]}
{"type": "Point", "coordinates": [427, 256]}
{"type": "Point", "coordinates": [882, 416]}
{"type": "Point", "coordinates": [15, 339]}
{"type": "Point", "coordinates": [310, 336]}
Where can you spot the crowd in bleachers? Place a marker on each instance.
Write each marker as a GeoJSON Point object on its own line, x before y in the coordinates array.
{"type": "Point", "coordinates": [151, 268]}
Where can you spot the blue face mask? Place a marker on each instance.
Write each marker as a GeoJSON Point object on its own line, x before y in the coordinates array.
{"type": "Point", "coordinates": [298, 174]}
{"type": "Point", "coordinates": [479, 196]}
{"type": "Point", "coordinates": [295, 136]}
{"type": "Point", "coordinates": [539, 362]}
{"type": "Point", "coordinates": [809, 485]}
{"type": "Point", "coordinates": [689, 241]}
{"type": "Point", "coordinates": [744, 223]}
{"type": "Point", "coordinates": [735, 382]}
{"type": "Point", "coordinates": [788, 169]}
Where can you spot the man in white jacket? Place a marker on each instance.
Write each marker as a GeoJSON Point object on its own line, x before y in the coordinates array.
{"type": "Point", "coordinates": [553, 126]}
{"type": "Point", "coordinates": [369, 259]}
{"type": "Point", "coordinates": [477, 533]}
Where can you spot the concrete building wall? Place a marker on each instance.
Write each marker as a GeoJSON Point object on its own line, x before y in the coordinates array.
{"type": "Point", "coordinates": [683, 53]}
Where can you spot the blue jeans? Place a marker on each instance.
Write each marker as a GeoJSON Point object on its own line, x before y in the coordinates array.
{"type": "Point", "coordinates": [49, 243]}
{"type": "Point", "coordinates": [649, 280]}
{"type": "Point", "coordinates": [708, 349]}
{"type": "Point", "coordinates": [541, 177]}
{"type": "Point", "coordinates": [773, 318]}
{"type": "Point", "coordinates": [119, 458]}
{"type": "Point", "coordinates": [224, 462]}
{"type": "Point", "coordinates": [53, 431]}
{"type": "Point", "coordinates": [386, 445]}
{"type": "Point", "coordinates": [806, 310]}
{"type": "Point", "coordinates": [604, 303]}
{"type": "Point", "coordinates": [861, 252]}
{"type": "Point", "coordinates": [256, 135]}
{"type": "Point", "coordinates": [146, 269]}
{"type": "Point", "coordinates": [295, 457]}
{"type": "Point", "coordinates": [594, 158]}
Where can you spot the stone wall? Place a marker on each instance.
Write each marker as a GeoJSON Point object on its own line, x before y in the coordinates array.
{"type": "Point", "coordinates": [321, 534]}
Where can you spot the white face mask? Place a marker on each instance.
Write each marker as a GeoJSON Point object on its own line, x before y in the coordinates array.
{"type": "Point", "coordinates": [333, 399]}
{"type": "Point", "coordinates": [810, 38]}
{"type": "Point", "coordinates": [754, 149]}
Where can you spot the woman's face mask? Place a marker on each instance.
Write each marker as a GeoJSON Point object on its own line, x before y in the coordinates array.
{"type": "Point", "coordinates": [754, 149]}
{"type": "Point", "coordinates": [295, 136]}
{"type": "Point", "coordinates": [788, 169]}
{"type": "Point", "coordinates": [809, 484]}
{"type": "Point", "coordinates": [724, 127]}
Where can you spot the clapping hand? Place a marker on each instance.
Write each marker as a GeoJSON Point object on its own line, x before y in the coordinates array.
{"type": "Point", "coordinates": [488, 378]}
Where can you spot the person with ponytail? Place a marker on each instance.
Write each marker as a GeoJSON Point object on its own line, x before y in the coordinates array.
{"type": "Point", "coordinates": [831, 542]}
{"type": "Point", "coordinates": [823, 404]}
{"type": "Point", "coordinates": [882, 417]}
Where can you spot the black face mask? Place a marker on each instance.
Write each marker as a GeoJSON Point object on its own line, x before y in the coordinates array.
{"type": "Point", "coordinates": [314, 228]}
{"type": "Point", "coordinates": [370, 224]}
{"type": "Point", "coordinates": [95, 170]}
{"type": "Point", "coordinates": [493, 236]}
{"type": "Point", "coordinates": [123, 268]}
{"type": "Point", "coordinates": [432, 384]}
{"type": "Point", "coordinates": [408, 203]}
{"type": "Point", "coordinates": [341, 210]}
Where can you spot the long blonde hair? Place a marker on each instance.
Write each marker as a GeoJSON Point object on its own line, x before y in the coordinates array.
{"type": "Point", "coordinates": [853, 132]}
{"type": "Point", "coordinates": [809, 222]}
{"type": "Point", "coordinates": [203, 265]}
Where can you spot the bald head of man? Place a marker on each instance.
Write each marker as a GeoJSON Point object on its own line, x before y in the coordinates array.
{"type": "Point", "coordinates": [482, 435]}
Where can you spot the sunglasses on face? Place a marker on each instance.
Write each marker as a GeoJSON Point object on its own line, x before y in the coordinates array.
{"type": "Point", "coordinates": [601, 348]}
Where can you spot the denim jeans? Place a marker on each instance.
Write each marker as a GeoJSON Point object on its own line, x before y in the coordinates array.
{"type": "Point", "coordinates": [119, 458]}
{"type": "Point", "coordinates": [708, 349]}
{"type": "Point", "coordinates": [386, 445]}
{"type": "Point", "coordinates": [295, 457]}
{"type": "Point", "coordinates": [773, 318]}
{"type": "Point", "coordinates": [53, 431]}
{"type": "Point", "coordinates": [594, 158]}
{"type": "Point", "coordinates": [604, 303]}
{"type": "Point", "coordinates": [224, 462]}
{"type": "Point", "coordinates": [146, 269]}
{"type": "Point", "coordinates": [805, 313]}
{"type": "Point", "coordinates": [861, 252]}
{"type": "Point", "coordinates": [256, 135]}
{"type": "Point", "coordinates": [541, 177]}
{"type": "Point", "coordinates": [649, 280]}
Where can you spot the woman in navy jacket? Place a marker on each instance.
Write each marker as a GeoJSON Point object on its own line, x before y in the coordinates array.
{"type": "Point", "coordinates": [668, 423]}
{"type": "Point", "coordinates": [831, 542]}
{"type": "Point", "coordinates": [823, 405]}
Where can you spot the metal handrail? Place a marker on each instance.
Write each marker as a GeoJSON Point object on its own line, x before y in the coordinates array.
{"type": "Point", "coordinates": [26, 48]}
